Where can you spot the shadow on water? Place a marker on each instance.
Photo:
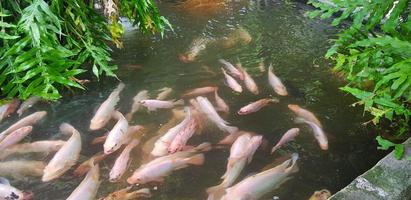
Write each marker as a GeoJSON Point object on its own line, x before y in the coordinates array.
{"type": "Point", "coordinates": [283, 36]}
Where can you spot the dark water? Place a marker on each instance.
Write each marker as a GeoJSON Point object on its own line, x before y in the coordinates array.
{"type": "Point", "coordinates": [282, 35]}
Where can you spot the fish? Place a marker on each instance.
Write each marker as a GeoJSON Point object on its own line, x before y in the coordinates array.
{"type": "Point", "coordinates": [27, 104]}
{"type": "Point", "coordinates": [122, 162]}
{"type": "Point", "coordinates": [125, 194]}
{"type": "Point", "coordinates": [142, 95]}
{"type": "Point", "coordinates": [26, 121]}
{"type": "Point", "coordinates": [157, 169]}
{"type": "Point", "coordinates": [8, 192]}
{"type": "Point", "coordinates": [238, 36]}
{"type": "Point", "coordinates": [207, 108]}
{"type": "Point", "coordinates": [287, 137]}
{"type": "Point", "coordinates": [66, 156]}
{"type": "Point", "coordinates": [15, 137]}
{"type": "Point", "coordinates": [323, 194]}
{"type": "Point", "coordinates": [199, 91]}
{"type": "Point", "coordinates": [276, 83]}
{"type": "Point", "coordinates": [233, 71]}
{"type": "Point", "coordinates": [8, 108]}
{"type": "Point", "coordinates": [153, 104]}
{"type": "Point", "coordinates": [231, 82]}
{"type": "Point", "coordinates": [256, 186]}
{"type": "Point", "coordinates": [84, 167]}
{"type": "Point", "coordinates": [183, 136]}
{"type": "Point", "coordinates": [45, 146]}
{"type": "Point", "coordinates": [256, 106]}
{"type": "Point", "coordinates": [163, 143]}
{"type": "Point", "coordinates": [87, 190]}
{"type": "Point", "coordinates": [231, 138]}
{"type": "Point", "coordinates": [198, 45]}
{"type": "Point", "coordinates": [164, 93]}
{"type": "Point", "coordinates": [261, 66]}
{"type": "Point", "coordinates": [20, 169]}
{"type": "Point", "coordinates": [241, 153]}
{"type": "Point", "coordinates": [103, 114]}
{"type": "Point", "coordinates": [318, 132]}
{"type": "Point", "coordinates": [248, 80]}
{"type": "Point", "coordinates": [220, 103]}
{"type": "Point", "coordinates": [305, 114]}
{"type": "Point", "coordinates": [118, 134]}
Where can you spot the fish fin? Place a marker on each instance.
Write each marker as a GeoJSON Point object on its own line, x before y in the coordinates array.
{"type": "Point", "coordinates": [179, 102]}
{"type": "Point", "coordinates": [299, 120]}
{"type": "Point", "coordinates": [293, 168]}
{"type": "Point", "coordinates": [274, 100]}
{"type": "Point", "coordinates": [151, 109]}
{"type": "Point", "coordinates": [187, 147]}
{"type": "Point", "coordinates": [66, 128]}
{"type": "Point", "coordinates": [4, 181]}
{"type": "Point", "coordinates": [275, 148]}
{"type": "Point", "coordinates": [196, 159]}
{"type": "Point", "coordinates": [232, 129]}
{"type": "Point", "coordinates": [216, 192]}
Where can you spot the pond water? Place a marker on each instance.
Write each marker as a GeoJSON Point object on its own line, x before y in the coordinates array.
{"type": "Point", "coordinates": [283, 36]}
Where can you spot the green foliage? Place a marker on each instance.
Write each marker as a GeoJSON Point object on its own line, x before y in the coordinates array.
{"type": "Point", "coordinates": [373, 51]}
{"type": "Point", "coordinates": [385, 145]}
{"type": "Point", "coordinates": [47, 43]}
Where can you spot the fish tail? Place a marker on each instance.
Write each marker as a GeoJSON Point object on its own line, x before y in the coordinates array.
{"type": "Point", "coordinates": [216, 192]}
{"type": "Point", "coordinates": [66, 128]}
{"type": "Point", "coordinates": [206, 146]}
{"type": "Point", "coordinates": [294, 167]}
{"type": "Point", "coordinates": [179, 102]}
{"type": "Point", "coordinates": [196, 159]}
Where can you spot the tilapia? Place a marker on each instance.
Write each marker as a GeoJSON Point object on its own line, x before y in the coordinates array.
{"type": "Point", "coordinates": [8, 192]}
{"type": "Point", "coordinates": [231, 82]}
{"type": "Point", "coordinates": [66, 156]}
{"type": "Point", "coordinates": [46, 146]}
{"type": "Point", "coordinates": [28, 104]}
{"type": "Point", "coordinates": [126, 194]}
{"type": "Point", "coordinates": [318, 132]}
{"type": "Point", "coordinates": [287, 137]}
{"type": "Point", "coordinates": [153, 104]}
{"type": "Point", "coordinates": [248, 80]}
{"type": "Point", "coordinates": [118, 134]}
{"type": "Point", "coordinates": [20, 169]}
{"type": "Point", "coordinates": [256, 186]}
{"type": "Point", "coordinates": [15, 137]}
{"type": "Point", "coordinates": [233, 71]}
{"type": "Point", "coordinates": [122, 162]}
{"type": "Point", "coordinates": [256, 106]}
{"type": "Point", "coordinates": [87, 189]}
{"type": "Point", "coordinates": [199, 91]}
{"type": "Point", "coordinates": [142, 95]}
{"type": "Point", "coordinates": [8, 108]}
{"type": "Point", "coordinates": [220, 103]}
{"type": "Point", "coordinates": [305, 114]}
{"type": "Point", "coordinates": [26, 121]}
{"type": "Point", "coordinates": [196, 47]}
{"type": "Point", "coordinates": [84, 167]}
{"type": "Point", "coordinates": [323, 194]}
{"type": "Point", "coordinates": [276, 83]}
{"type": "Point", "coordinates": [103, 114]}
{"type": "Point", "coordinates": [238, 36]}
{"type": "Point", "coordinates": [183, 136]}
{"type": "Point", "coordinates": [207, 108]}
{"type": "Point", "coordinates": [164, 93]}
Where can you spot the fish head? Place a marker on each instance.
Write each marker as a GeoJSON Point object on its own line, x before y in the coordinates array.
{"type": "Point", "coordinates": [110, 146]}
{"type": "Point", "coordinates": [96, 124]}
{"type": "Point", "coordinates": [324, 145]}
{"type": "Point", "coordinates": [280, 89]}
{"type": "Point", "coordinates": [242, 111]}
{"type": "Point", "coordinates": [114, 176]}
{"type": "Point", "coordinates": [293, 107]}
{"type": "Point", "coordinates": [137, 178]}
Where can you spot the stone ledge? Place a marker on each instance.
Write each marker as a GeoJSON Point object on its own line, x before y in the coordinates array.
{"type": "Point", "coordinates": [389, 179]}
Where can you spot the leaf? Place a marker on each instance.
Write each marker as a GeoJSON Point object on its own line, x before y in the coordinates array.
{"type": "Point", "coordinates": [399, 151]}
{"type": "Point", "coordinates": [383, 143]}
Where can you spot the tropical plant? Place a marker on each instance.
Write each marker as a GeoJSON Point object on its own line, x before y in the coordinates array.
{"type": "Point", "coordinates": [373, 51]}
{"type": "Point", "coordinates": [47, 43]}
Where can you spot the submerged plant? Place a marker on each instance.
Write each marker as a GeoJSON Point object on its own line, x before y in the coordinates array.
{"type": "Point", "coordinates": [374, 53]}
{"type": "Point", "coordinates": [47, 43]}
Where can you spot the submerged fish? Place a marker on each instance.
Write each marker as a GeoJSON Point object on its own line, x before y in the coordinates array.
{"type": "Point", "coordinates": [233, 71]}
{"type": "Point", "coordinates": [276, 83]}
{"type": "Point", "coordinates": [20, 169]}
{"type": "Point", "coordinates": [26, 121]}
{"type": "Point", "coordinates": [318, 132]}
{"type": "Point", "coordinates": [8, 192]}
{"type": "Point", "coordinates": [207, 108]}
{"type": "Point", "coordinates": [231, 82]}
{"type": "Point", "coordinates": [66, 156]}
{"type": "Point", "coordinates": [238, 36]}
{"type": "Point", "coordinates": [87, 189]}
{"type": "Point", "coordinates": [153, 104]}
{"type": "Point", "coordinates": [256, 186]}
{"type": "Point", "coordinates": [8, 108]}
{"type": "Point", "coordinates": [28, 104]}
{"type": "Point", "coordinates": [125, 194]}
{"type": "Point", "coordinates": [196, 47]}
{"type": "Point", "coordinates": [84, 167]}
{"type": "Point", "coordinates": [248, 81]}
{"type": "Point", "coordinates": [142, 95]}
{"type": "Point", "coordinates": [287, 137]}
{"type": "Point", "coordinates": [241, 153]}
{"type": "Point", "coordinates": [103, 114]}
{"type": "Point", "coordinates": [199, 91]}
{"type": "Point", "coordinates": [321, 195]}
{"type": "Point", "coordinates": [46, 146]}
{"type": "Point", "coordinates": [221, 104]}
{"type": "Point", "coordinates": [183, 136]}
{"type": "Point", "coordinates": [122, 162]}
{"type": "Point", "coordinates": [157, 169]}
{"type": "Point", "coordinates": [256, 106]}
{"type": "Point", "coordinates": [15, 137]}
{"type": "Point", "coordinates": [305, 114]}
{"type": "Point", "coordinates": [164, 93]}
{"type": "Point", "coordinates": [118, 134]}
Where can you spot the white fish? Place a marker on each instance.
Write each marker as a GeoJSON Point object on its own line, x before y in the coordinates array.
{"type": "Point", "coordinates": [118, 134]}
{"type": "Point", "coordinates": [87, 189]}
{"type": "Point", "coordinates": [199, 91]}
{"type": "Point", "coordinates": [66, 156]}
{"type": "Point", "coordinates": [15, 137]}
{"type": "Point", "coordinates": [287, 137]}
{"type": "Point", "coordinates": [8, 192]}
{"type": "Point", "coordinates": [8, 108]}
{"type": "Point", "coordinates": [103, 114]}
{"type": "Point", "coordinates": [276, 83]}
{"type": "Point", "coordinates": [249, 81]}
{"type": "Point", "coordinates": [221, 104]}
{"type": "Point", "coordinates": [196, 47]}
{"type": "Point", "coordinates": [20, 169]}
{"type": "Point", "coordinates": [46, 146]}
{"type": "Point", "coordinates": [207, 108]}
{"type": "Point", "coordinates": [256, 106]}
{"type": "Point", "coordinates": [231, 69]}
{"type": "Point", "coordinates": [256, 186]}
{"type": "Point", "coordinates": [164, 93]}
{"type": "Point", "coordinates": [28, 104]}
{"type": "Point", "coordinates": [122, 162]}
{"type": "Point", "coordinates": [318, 132]}
{"type": "Point", "coordinates": [153, 104]}
{"type": "Point", "coordinates": [26, 121]}
{"type": "Point", "coordinates": [305, 114]}
{"type": "Point", "coordinates": [231, 82]}
{"type": "Point", "coordinates": [136, 103]}
{"type": "Point", "coordinates": [183, 136]}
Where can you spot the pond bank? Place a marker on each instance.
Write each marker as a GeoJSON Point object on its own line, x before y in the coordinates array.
{"type": "Point", "coordinates": [389, 179]}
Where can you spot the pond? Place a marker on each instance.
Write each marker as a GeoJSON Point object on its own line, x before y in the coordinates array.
{"type": "Point", "coordinates": [281, 35]}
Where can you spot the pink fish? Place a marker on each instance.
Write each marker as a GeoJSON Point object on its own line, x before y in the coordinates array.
{"type": "Point", "coordinates": [276, 83]}
{"type": "Point", "coordinates": [84, 167]}
{"type": "Point", "coordinates": [126, 194]}
{"type": "Point", "coordinates": [118, 135]}
{"type": "Point", "coordinates": [199, 91]}
{"type": "Point", "coordinates": [248, 81]}
{"type": "Point", "coordinates": [221, 104]}
{"type": "Point", "coordinates": [305, 114]}
{"type": "Point", "coordinates": [207, 108]}
{"type": "Point", "coordinates": [318, 132]}
{"type": "Point", "coordinates": [287, 137]}
{"type": "Point", "coordinates": [15, 137]}
{"type": "Point", "coordinates": [26, 121]}
{"type": "Point", "coordinates": [122, 162]}
{"type": "Point", "coordinates": [256, 106]}
{"type": "Point", "coordinates": [232, 70]}
{"type": "Point", "coordinates": [87, 190]}
{"type": "Point", "coordinates": [183, 136]}
{"type": "Point", "coordinates": [7, 109]}
{"type": "Point", "coordinates": [153, 104]}
{"type": "Point", "coordinates": [232, 83]}
{"type": "Point", "coordinates": [28, 104]}
{"type": "Point", "coordinates": [46, 146]}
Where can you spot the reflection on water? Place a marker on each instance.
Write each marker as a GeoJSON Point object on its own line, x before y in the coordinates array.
{"type": "Point", "coordinates": [283, 36]}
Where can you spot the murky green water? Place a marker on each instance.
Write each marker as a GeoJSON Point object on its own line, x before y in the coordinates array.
{"type": "Point", "coordinates": [282, 35]}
